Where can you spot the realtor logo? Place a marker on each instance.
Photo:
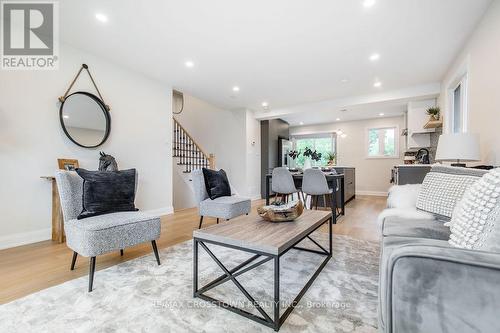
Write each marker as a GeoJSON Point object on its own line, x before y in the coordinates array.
{"type": "Point", "coordinates": [29, 35]}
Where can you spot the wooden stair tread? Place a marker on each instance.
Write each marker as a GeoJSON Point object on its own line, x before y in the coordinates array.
{"type": "Point", "coordinates": [188, 152]}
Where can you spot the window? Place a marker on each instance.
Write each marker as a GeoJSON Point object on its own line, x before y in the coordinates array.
{"type": "Point", "coordinates": [457, 109]}
{"type": "Point", "coordinates": [383, 142]}
{"type": "Point", "coordinates": [458, 106]}
{"type": "Point", "coordinates": [322, 143]}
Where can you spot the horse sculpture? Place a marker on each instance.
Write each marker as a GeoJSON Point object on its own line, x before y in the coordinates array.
{"type": "Point", "coordinates": [107, 162]}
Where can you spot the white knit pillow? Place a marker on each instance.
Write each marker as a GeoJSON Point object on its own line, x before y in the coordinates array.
{"type": "Point", "coordinates": [475, 223]}
{"type": "Point", "coordinates": [444, 186]}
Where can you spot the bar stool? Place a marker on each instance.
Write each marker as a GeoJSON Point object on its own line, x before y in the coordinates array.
{"type": "Point", "coordinates": [314, 184]}
{"type": "Point", "coordinates": [283, 183]}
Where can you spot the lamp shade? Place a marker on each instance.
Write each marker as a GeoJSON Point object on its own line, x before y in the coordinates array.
{"type": "Point", "coordinates": [458, 146]}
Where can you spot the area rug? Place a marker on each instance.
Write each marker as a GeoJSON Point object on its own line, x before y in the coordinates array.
{"type": "Point", "coordinates": [139, 296]}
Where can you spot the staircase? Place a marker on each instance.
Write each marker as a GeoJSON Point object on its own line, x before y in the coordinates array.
{"type": "Point", "coordinates": [188, 153]}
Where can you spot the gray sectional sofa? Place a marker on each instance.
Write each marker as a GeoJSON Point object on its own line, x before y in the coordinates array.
{"type": "Point", "coordinates": [427, 285]}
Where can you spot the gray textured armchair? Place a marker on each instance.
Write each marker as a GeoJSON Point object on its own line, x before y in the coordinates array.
{"type": "Point", "coordinates": [224, 207]}
{"type": "Point", "coordinates": [428, 286]}
{"type": "Point", "coordinates": [101, 234]}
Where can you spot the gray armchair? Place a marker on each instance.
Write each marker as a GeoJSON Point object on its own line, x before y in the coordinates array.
{"type": "Point", "coordinates": [97, 235]}
{"type": "Point", "coordinates": [224, 207]}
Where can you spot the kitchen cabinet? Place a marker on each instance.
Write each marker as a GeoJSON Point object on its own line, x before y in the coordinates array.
{"type": "Point", "coordinates": [349, 183]}
{"type": "Point", "coordinates": [410, 174]}
{"type": "Point", "coordinates": [270, 132]}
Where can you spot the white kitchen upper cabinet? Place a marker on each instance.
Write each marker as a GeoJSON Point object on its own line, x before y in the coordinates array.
{"type": "Point", "coordinates": [418, 136]}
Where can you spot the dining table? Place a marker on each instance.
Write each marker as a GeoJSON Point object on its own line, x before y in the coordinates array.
{"type": "Point", "coordinates": [335, 181]}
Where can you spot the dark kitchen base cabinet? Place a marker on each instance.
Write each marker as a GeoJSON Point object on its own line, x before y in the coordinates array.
{"type": "Point", "coordinates": [349, 181]}
{"type": "Point", "coordinates": [410, 174]}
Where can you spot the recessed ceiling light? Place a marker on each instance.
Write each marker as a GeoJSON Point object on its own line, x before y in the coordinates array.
{"type": "Point", "coordinates": [101, 17]}
{"type": "Point", "coordinates": [381, 114]}
{"type": "Point", "coordinates": [236, 88]}
{"type": "Point", "coordinates": [65, 116]}
{"type": "Point", "coordinates": [265, 104]}
{"type": "Point", "coordinates": [301, 123]}
{"type": "Point", "coordinates": [189, 64]}
{"type": "Point", "coordinates": [338, 119]}
{"type": "Point", "coordinates": [375, 57]}
{"type": "Point", "coordinates": [368, 3]}
{"type": "Point", "coordinates": [377, 84]}
{"type": "Point", "coordinates": [344, 80]}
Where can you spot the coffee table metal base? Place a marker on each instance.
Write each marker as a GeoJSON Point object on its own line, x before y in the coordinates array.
{"type": "Point", "coordinates": [231, 274]}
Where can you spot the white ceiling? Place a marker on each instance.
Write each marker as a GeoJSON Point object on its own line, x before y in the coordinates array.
{"type": "Point", "coordinates": [353, 113]}
{"type": "Point", "coordinates": [390, 103]}
{"type": "Point", "coordinates": [283, 52]}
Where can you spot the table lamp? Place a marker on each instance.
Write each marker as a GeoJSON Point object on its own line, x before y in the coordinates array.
{"type": "Point", "coordinates": [459, 147]}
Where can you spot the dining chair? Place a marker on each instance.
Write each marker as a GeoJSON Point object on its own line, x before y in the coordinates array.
{"type": "Point", "coordinates": [314, 184]}
{"type": "Point", "coordinates": [283, 184]}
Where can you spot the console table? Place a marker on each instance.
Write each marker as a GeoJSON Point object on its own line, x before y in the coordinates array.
{"type": "Point", "coordinates": [57, 216]}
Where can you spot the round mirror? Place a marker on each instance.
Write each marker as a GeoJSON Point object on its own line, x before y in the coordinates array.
{"type": "Point", "coordinates": [85, 119]}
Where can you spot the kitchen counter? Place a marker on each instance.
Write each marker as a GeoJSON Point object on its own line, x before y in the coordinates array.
{"type": "Point", "coordinates": [412, 165]}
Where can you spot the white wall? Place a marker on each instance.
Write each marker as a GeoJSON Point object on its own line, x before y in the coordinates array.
{"type": "Point", "coordinates": [480, 57]}
{"type": "Point", "coordinates": [31, 139]}
{"type": "Point", "coordinates": [253, 144]}
{"type": "Point", "coordinates": [226, 134]}
{"type": "Point", "coordinates": [372, 175]}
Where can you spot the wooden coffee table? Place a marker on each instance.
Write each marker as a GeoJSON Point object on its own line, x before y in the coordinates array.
{"type": "Point", "coordinates": [267, 241]}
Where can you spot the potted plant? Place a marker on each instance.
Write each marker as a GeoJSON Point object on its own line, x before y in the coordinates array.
{"type": "Point", "coordinates": [316, 157]}
{"type": "Point", "coordinates": [307, 155]}
{"type": "Point", "coordinates": [434, 112]}
{"type": "Point", "coordinates": [310, 155]}
{"type": "Point", "coordinates": [293, 154]}
{"type": "Point", "coordinates": [331, 158]}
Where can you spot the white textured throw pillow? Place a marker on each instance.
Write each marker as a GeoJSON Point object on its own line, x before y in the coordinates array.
{"type": "Point", "coordinates": [444, 186]}
{"type": "Point", "coordinates": [475, 223]}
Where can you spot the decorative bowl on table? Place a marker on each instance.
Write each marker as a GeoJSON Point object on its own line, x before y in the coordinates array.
{"type": "Point", "coordinates": [281, 212]}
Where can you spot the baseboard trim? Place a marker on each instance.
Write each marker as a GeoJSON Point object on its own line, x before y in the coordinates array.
{"type": "Point", "coordinates": [160, 211]}
{"type": "Point", "coordinates": [374, 193]}
{"type": "Point", "coordinates": [24, 238]}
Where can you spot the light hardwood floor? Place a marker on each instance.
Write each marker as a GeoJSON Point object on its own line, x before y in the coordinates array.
{"type": "Point", "coordinates": [30, 268]}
